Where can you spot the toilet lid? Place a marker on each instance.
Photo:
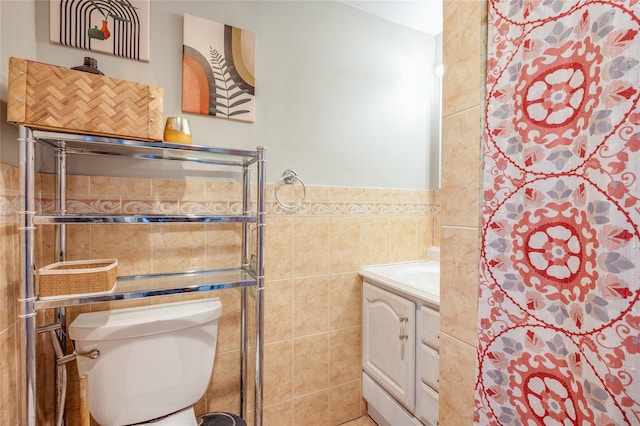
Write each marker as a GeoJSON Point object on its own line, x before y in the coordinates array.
{"type": "Point", "coordinates": [144, 320]}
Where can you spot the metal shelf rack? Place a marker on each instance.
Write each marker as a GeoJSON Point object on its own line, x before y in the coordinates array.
{"type": "Point", "coordinates": [250, 274]}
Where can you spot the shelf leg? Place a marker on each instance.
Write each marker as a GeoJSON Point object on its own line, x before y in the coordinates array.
{"type": "Point", "coordinates": [244, 347]}
{"type": "Point", "coordinates": [244, 330]}
{"type": "Point", "coordinates": [259, 320]}
{"type": "Point", "coordinates": [61, 244]}
{"type": "Point", "coordinates": [26, 297]}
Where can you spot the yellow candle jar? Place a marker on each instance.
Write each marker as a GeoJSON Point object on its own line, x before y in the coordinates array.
{"type": "Point", "coordinates": [177, 130]}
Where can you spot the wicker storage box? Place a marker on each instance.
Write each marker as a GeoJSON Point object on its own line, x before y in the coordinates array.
{"type": "Point", "coordinates": [55, 98]}
{"type": "Point", "coordinates": [77, 277]}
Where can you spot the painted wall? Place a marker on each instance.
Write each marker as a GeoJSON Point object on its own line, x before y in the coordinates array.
{"type": "Point", "coordinates": [343, 104]}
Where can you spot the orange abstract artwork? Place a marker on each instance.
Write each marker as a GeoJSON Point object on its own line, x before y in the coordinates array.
{"type": "Point", "coordinates": [218, 70]}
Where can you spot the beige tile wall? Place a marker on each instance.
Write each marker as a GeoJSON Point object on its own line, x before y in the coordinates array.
{"type": "Point", "coordinates": [464, 61]}
{"type": "Point", "coordinates": [9, 349]}
{"type": "Point", "coordinates": [312, 296]}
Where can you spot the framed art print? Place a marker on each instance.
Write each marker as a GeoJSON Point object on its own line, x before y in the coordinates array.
{"type": "Point", "coordinates": [218, 70]}
{"type": "Point", "coordinates": [116, 27]}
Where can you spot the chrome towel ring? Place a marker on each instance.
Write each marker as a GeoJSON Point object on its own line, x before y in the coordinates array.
{"type": "Point", "coordinates": [290, 177]}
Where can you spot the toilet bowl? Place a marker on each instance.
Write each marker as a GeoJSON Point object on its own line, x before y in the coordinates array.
{"type": "Point", "coordinates": [154, 361]}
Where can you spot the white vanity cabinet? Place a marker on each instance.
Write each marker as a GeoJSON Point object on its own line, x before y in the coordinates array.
{"type": "Point", "coordinates": [400, 356]}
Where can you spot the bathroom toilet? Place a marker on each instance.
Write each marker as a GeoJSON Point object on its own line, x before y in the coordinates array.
{"type": "Point", "coordinates": [154, 361]}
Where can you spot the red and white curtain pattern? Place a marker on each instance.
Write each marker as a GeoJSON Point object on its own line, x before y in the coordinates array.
{"type": "Point", "coordinates": [559, 310]}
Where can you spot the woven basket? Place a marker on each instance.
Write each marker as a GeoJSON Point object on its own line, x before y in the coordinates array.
{"type": "Point", "coordinates": [77, 277]}
{"type": "Point", "coordinates": [55, 98]}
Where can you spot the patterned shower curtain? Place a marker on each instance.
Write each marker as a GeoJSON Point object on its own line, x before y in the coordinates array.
{"type": "Point", "coordinates": [559, 310]}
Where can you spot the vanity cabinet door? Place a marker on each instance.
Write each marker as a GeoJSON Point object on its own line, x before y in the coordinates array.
{"type": "Point", "coordinates": [389, 342]}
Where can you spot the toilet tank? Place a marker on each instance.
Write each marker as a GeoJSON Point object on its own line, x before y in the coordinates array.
{"type": "Point", "coordinates": [154, 360]}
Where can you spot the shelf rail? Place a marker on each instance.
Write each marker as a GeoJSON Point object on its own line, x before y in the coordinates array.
{"type": "Point", "coordinates": [151, 285]}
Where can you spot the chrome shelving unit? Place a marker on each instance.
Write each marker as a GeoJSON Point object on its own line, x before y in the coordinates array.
{"type": "Point", "coordinates": [248, 275]}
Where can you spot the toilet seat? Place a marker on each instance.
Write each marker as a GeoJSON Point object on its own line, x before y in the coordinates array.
{"type": "Point", "coordinates": [186, 417]}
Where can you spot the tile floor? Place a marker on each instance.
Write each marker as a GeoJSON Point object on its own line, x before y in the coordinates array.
{"type": "Point", "coordinates": [361, 421]}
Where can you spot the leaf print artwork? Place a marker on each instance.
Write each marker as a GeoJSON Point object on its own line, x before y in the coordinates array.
{"type": "Point", "coordinates": [218, 70]}
{"type": "Point", "coordinates": [228, 95]}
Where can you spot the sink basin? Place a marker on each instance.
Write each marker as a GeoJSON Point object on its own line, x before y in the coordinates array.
{"type": "Point", "coordinates": [425, 277]}
{"type": "Point", "coordinates": [420, 280]}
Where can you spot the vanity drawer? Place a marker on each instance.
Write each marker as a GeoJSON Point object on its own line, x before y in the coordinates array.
{"type": "Point", "coordinates": [427, 404]}
{"type": "Point", "coordinates": [430, 327]}
{"type": "Point", "coordinates": [429, 366]}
